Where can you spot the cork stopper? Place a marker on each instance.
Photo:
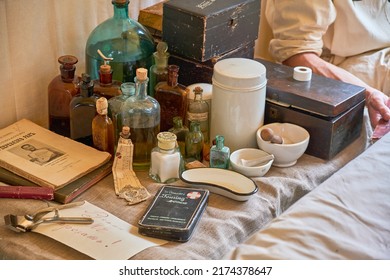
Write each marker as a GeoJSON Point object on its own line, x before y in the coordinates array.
{"type": "Point", "coordinates": [198, 90]}
{"type": "Point", "coordinates": [125, 133]}
{"type": "Point", "coordinates": [142, 74]}
{"type": "Point", "coordinates": [166, 140]}
{"type": "Point", "coordinates": [101, 106]}
{"type": "Point", "coordinates": [105, 68]}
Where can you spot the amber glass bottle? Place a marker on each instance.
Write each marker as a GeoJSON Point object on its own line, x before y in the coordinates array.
{"type": "Point", "coordinates": [172, 97]}
{"type": "Point", "coordinates": [103, 128]}
{"type": "Point", "coordinates": [61, 91]}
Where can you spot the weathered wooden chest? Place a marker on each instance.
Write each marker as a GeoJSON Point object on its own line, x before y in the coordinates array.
{"type": "Point", "coordinates": [203, 29]}
{"type": "Point", "coordinates": [331, 111]}
{"type": "Point", "coordinates": [192, 71]}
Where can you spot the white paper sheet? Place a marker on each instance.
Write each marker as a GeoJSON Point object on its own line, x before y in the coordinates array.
{"type": "Point", "coordinates": [107, 238]}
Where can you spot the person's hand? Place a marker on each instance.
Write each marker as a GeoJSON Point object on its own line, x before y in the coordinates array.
{"type": "Point", "coordinates": [378, 107]}
{"type": "Point", "coordinates": [377, 102]}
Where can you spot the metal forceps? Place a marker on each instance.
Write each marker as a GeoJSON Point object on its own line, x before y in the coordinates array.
{"type": "Point", "coordinates": [30, 221]}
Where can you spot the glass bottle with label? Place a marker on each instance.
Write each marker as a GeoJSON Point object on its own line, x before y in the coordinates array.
{"type": "Point", "coordinates": [125, 40]}
{"type": "Point", "coordinates": [115, 107]}
{"type": "Point", "coordinates": [166, 159]}
{"type": "Point", "coordinates": [159, 70]}
{"type": "Point", "coordinates": [172, 97]}
{"type": "Point", "coordinates": [105, 86]}
{"type": "Point", "coordinates": [180, 131]}
{"type": "Point", "coordinates": [198, 111]}
{"type": "Point", "coordinates": [142, 114]}
{"type": "Point", "coordinates": [61, 90]}
{"type": "Point", "coordinates": [103, 128]}
{"type": "Point", "coordinates": [194, 143]}
{"type": "Point", "coordinates": [82, 111]}
{"type": "Point", "coordinates": [219, 154]}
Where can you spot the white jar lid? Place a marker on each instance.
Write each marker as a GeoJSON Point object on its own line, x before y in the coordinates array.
{"type": "Point", "coordinates": [166, 140]}
{"type": "Point", "coordinates": [239, 74]}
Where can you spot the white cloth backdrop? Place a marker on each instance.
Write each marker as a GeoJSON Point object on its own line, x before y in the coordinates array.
{"type": "Point", "coordinates": [33, 34]}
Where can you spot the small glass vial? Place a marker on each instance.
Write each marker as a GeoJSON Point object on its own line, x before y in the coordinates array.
{"type": "Point", "coordinates": [115, 106]}
{"type": "Point", "coordinates": [172, 98]}
{"type": "Point", "coordinates": [219, 154]}
{"type": "Point", "coordinates": [166, 159]}
{"type": "Point", "coordinates": [159, 70]}
{"type": "Point", "coordinates": [105, 86]}
{"type": "Point", "coordinates": [198, 111]}
{"type": "Point", "coordinates": [82, 111]}
{"type": "Point", "coordinates": [61, 90]}
{"type": "Point", "coordinates": [103, 128]}
{"type": "Point", "coordinates": [194, 143]}
{"type": "Point", "coordinates": [180, 131]}
{"type": "Point", "coordinates": [142, 114]}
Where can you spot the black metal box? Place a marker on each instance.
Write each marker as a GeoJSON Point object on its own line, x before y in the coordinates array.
{"type": "Point", "coordinates": [330, 110]}
{"type": "Point", "coordinates": [174, 213]}
{"type": "Point", "coordinates": [201, 30]}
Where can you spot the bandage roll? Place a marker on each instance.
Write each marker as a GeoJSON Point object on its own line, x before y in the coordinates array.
{"type": "Point", "coordinates": [302, 73]}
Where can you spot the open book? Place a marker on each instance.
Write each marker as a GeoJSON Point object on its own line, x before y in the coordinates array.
{"type": "Point", "coordinates": [44, 157]}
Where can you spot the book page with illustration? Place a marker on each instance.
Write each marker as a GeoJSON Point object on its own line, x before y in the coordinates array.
{"type": "Point", "coordinates": [44, 157]}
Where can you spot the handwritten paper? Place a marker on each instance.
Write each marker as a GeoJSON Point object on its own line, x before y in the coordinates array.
{"type": "Point", "coordinates": [107, 238]}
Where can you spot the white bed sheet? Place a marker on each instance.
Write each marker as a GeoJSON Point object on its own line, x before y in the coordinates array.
{"type": "Point", "coordinates": [346, 217]}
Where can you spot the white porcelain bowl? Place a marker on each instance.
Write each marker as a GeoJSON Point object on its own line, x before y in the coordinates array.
{"type": "Point", "coordinates": [295, 142]}
{"type": "Point", "coordinates": [244, 161]}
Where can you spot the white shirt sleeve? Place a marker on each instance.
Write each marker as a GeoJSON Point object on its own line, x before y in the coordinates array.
{"type": "Point", "coordinates": [298, 26]}
{"type": "Point", "coordinates": [346, 28]}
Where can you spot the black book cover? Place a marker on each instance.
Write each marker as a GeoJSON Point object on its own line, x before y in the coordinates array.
{"type": "Point", "coordinates": [174, 213]}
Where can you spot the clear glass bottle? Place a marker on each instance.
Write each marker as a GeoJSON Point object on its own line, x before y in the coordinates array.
{"type": "Point", "coordinates": [172, 97]}
{"type": "Point", "coordinates": [219, 153]}
{"type": "Point", "coordinates": [159, 70]}
{"type": "Point", "coordinates": [194, 143]}
{"type": "Point", "coordinates": [105, 86]}
{"type": "Point", "coordinates": [125, 40]}
{"type": "Point", "coordinates": [166, 160]}
{"type": "Point", "coordinates": [60, 92]}
{"type": "Point", "coordinates": [115, 107]}
{"type": "Point", "coordinates": [103, 128]}
{"type": "Point", "coordinates": [82, 111]}
{"type": "Point", "coordinates": [180, 130]}
{"type": "Point", "coordinates": [198, 111]}
{"type": "Point", "coordinates": [142, 114]}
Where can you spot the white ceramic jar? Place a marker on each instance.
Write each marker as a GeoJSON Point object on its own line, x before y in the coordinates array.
{"type": "Point", "coordinates": [239, 92]}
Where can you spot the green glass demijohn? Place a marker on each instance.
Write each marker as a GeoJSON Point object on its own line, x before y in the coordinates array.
{"type": "Point", "coordinates": [123, 39]}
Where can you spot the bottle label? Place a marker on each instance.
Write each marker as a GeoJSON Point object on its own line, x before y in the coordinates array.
{"type": "Point", "coordinates": [200, 117]}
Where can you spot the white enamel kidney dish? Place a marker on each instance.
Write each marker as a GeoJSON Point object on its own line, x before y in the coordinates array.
{"type": "Point", "coordinates": [221, 181]}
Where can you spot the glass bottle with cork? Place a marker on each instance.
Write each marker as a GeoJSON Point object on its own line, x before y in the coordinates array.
{"type": "Point", "coordinates": [194, 143]}
{"type": "Point", "coordinates": [105, 86]}
{"type": "Point", "coordinates": [172, 97]}
{"type": "Point", "coordinates": [61, 90]}
{"type": "Point", "coordinates": [125, 40]}
{"type": "Point", "coordinates": [180, 130]}
{"type": "Point", "coordinates": [115, 107]}
{"type": "Point", "coordinates": [198, 111]}
{"type": "Point", "coordinates": [219, 153]}
{"type": "Point", "coordinates": [142, 114]}
{"type": "Point", "coordinates": [166, 159]}
{"type": "Point", "coordinates": [82, 111]}
{"type": "Point", "coordinates": [103, 128]}
{"type": "Point", "coordinates": [159, 70]}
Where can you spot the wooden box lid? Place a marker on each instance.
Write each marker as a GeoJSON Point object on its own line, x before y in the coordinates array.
{"type": "Point", "coordinates": [201, 30]}
{"type": "Point", "coordinates": [322, 96]}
